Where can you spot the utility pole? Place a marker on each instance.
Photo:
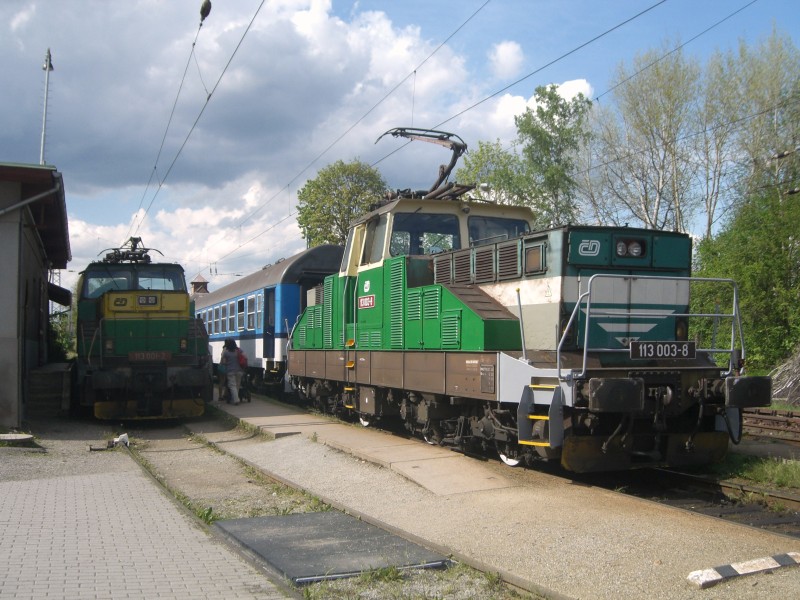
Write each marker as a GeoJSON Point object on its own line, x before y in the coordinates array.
{"type": "Point", "coordinates": [46, 67]}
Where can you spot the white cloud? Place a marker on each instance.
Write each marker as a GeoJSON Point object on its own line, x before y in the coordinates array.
{"type": "Point", "coordinates": [506, 59]}
{"type": "Point", "coordinates": [23, 17]}
{"type": "Point", "coordinates": [569, 89]}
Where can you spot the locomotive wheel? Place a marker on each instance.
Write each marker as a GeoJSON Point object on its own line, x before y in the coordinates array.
{"type": "Point", "coordinates": [509, 455]}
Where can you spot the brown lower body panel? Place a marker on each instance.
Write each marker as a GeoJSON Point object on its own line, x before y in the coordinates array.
{"type": "Point", "coordinates": [461, 374]}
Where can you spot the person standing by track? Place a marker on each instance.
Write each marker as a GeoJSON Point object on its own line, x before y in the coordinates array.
{"type": "Point", "coordinates": [233, 371]}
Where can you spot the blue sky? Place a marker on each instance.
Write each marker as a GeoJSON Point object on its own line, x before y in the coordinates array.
{"type": "Point", "coordinates": [307, 73]}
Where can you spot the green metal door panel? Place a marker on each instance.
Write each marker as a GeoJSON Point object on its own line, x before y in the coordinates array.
{"type": "Point", "coordinates": [395, 284]}
{"type": "Point", "coordinates": [413, 324]}
{"type": "Point", "coordinates": [589, 248]}
{"type": "Point", "coordinates": [338, 312]}
{"type": "Point", "coordinates": [431, 317]}
{"type": "Point", "coordinates": [451, 330]}
{"type": "Point", "coordinates": [672, 253]}
{"type": "Point", "coordinates": [369, 308]}
{"type": "Point", "coordinates": [328, 318]}
{"type": "Point", "coordinates": [502, 335]}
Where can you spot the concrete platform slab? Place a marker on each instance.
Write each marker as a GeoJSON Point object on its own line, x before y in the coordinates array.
{"type": "Point", "coordinates": [311, 547]}
{"type": "Point", "coordinates": [454, 474]}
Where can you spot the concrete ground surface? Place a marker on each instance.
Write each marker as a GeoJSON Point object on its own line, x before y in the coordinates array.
{"type": "Point", "coordinates": [79, 524]}
{"type": "Point", "coordinates": [541, 532]}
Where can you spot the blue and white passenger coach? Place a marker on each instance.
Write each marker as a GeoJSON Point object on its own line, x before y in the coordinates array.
{"type": "Point", "coordinates": [259, 310]}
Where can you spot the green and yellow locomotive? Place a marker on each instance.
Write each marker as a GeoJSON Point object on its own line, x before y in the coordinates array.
{"type": "Point", "coordinates": [572, 344]}
{"type": "Point", "coordinates": [141, 352]}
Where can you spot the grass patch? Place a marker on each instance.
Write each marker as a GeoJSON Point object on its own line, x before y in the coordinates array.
{"type": "Point", "coordinates": [768, 472]}
{"type": "Point", "coordinates": [381, 575]}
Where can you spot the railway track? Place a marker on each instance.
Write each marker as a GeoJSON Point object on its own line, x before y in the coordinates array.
{"type": "Point", "coordinates": [776, 424]}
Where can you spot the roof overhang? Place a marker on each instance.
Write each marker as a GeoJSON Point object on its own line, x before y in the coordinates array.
{"type": "Point", "coordinates": [42, 191]}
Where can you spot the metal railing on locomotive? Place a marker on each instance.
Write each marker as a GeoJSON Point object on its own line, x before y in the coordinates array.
{"type": "Point", "coordinates": [735, 352]}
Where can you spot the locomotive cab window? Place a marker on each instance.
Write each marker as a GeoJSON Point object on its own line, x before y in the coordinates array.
{"type": "Point", "coordinates": [96, 283]}
{"type": "Point", "coordinates": [418, 233]}
{"type": "Point", "coordinates": [373, 241]}
{"type": "Point", "coordinates": [490, 230]}
{"type": "Point", "coordinates": [167, 279]}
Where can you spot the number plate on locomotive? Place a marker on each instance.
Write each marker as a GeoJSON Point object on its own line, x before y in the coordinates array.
{"type": "Point", "coordinates": [643, 350]}
{"type": "Point", "coordinates": [149, 356]}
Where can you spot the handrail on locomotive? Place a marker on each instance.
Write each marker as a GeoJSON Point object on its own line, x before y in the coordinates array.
{"type": "Point", "coordinates": [735, 353]}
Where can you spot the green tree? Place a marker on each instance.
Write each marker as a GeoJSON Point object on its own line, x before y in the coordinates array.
{"type": "Point", "coordinates": [539, 170]}
{"type": "Point", "coordinates": [760, 250]}
{"type": "Point", "coordinates": [498, 173]}
{"type": "Point", "coordinates": [550, 137]}
{"type": "Point", "coordinates": [644, 165]}
{"type": "Point", "coordinates": [340, 193]}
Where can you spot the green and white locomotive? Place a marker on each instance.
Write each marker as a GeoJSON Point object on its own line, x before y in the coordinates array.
{"type": "Point", "coordinates": [142, 354]}
{"type": "Point", "coordinates": [574, 344]}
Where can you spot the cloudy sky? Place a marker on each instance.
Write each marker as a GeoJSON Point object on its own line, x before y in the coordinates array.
{"type": "Point", "coordinates": [197, 138]}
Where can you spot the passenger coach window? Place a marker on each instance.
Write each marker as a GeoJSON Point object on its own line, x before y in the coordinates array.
{"type": "Point", "coordinates": [251, 312]}
{"type": "Point", "coordinates": [231, 317]}
{"type": "Point", "coordinates": [223, 321]}
{"type": "Point", "coordinates": [240, 314]}
{"type": "Point", "coordinates": [216, 320]}
{"type": "Point", "coordinates": [260, 311]}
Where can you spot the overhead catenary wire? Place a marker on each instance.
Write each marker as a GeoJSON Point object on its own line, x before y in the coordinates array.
{"type": "Point", "coordinates": [413, 73]}
{"type": "Point", "coordinates": [199, 116]}
{"type": "Point", "coordinates": [154, 170]}
{"type": "Point", "coordinates": [475, 105]}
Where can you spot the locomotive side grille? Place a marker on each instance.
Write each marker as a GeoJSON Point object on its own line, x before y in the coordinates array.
{"type": "Point", "coordinates": [508, 262]}
{"type": "Point", "coordinates": [414, 305]}
{"type": "Point", "coordinates": [375, 339]}
{"type": "Point", "coordinates": [443, 269]}
{"type": "Point", "coordinates": [451, 329]}
{"type": "Point", "coordinates": [301, 335]}
{"type": "Point", "coordinates": [462, 267]}
{"type": "Point", "coordinates": [431, 303]}
{"type": "Point", "coordinates": [396, 320]}
{"type": "Point", "coordinates": [313, 317]}
{"type": "Point", "coordinates": [484, 264]}
{"type": "Point", "coordinates": [327, 315]}
{"type": "Point", "coordinates": [369, 339]}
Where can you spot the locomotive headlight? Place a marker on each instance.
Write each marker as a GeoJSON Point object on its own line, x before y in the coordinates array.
{"type": "Point", "coordinates": [109, 346]}
{"type": "Point", "coordinates": [681, 329]}
{"type": "Point", "coordinates": [184, 345]}
{"type": "Point", "coordinates": [630, 248]}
